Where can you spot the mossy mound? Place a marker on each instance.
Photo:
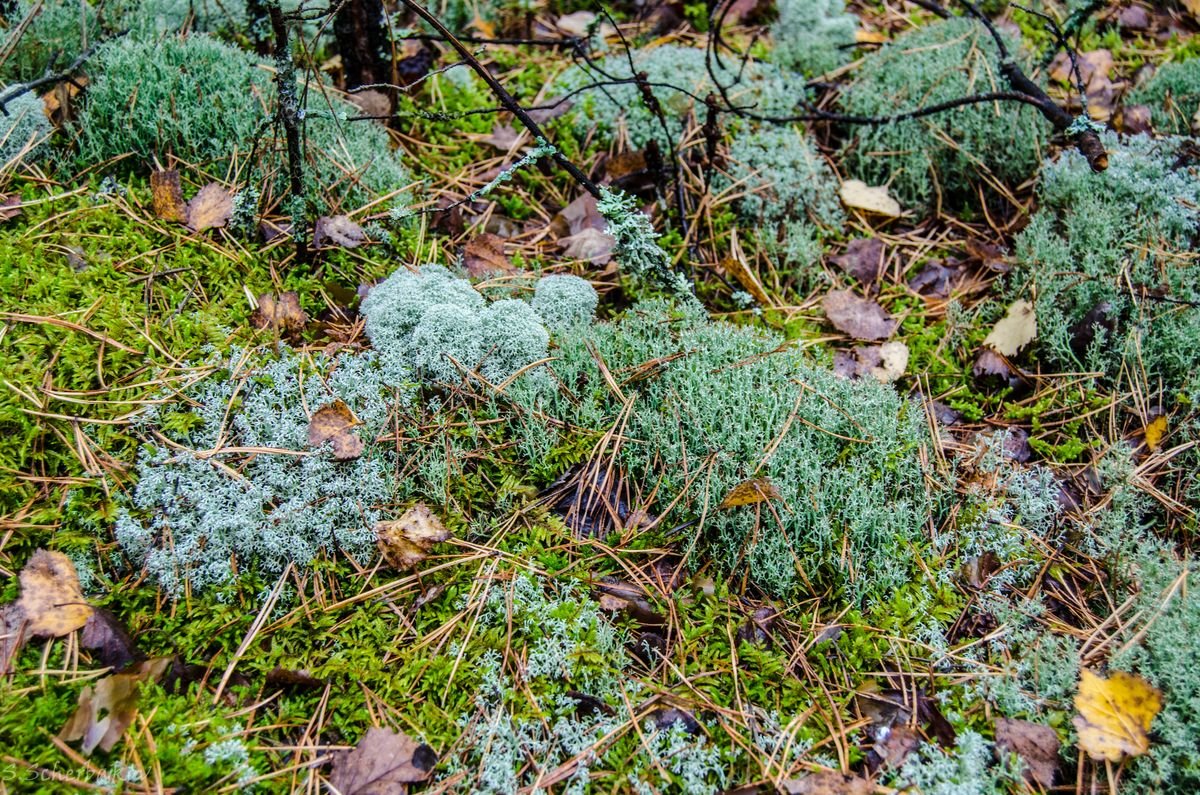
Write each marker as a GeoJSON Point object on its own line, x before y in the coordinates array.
{"type": "Point", "coordinates": [943, 156]}
{"type": "Point", "coordinates": [1173, 94]}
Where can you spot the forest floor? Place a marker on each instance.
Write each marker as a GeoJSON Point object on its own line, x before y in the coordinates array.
{"type": "Point", "coordinates": [875, 504]}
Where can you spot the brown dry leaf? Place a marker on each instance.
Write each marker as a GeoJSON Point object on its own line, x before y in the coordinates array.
{"type": "Point", "coordinates": [1193, 8]}
{"type": "Point", "coordinates": [383, 763]}
{"type": "Point", "coordinates": [406, 541]}
{"type": "Point", "coordinates": [166, 196]}
{"type": "Point", "coordinates": [827, 782]}
{"type": "Point", "coordinates": [863, 259]}
{"type": "Point", "coordinates": [1015, 330]}
{"type": "Point", "coordinates": [503, 136]}
{"type": "Point", "coordinates": [1035, 744]}
{"type": "Point", "coordinates": [1155, 431]}
{"type": "Point", "coordinates": [750, 492]}
{"type": "Point", "coordinates": [861, 318]}
{"type": "Point", "coordinates": [580, 214]}
{"type": "Point", "coordinates": [371, 102]}
{"type": "Point", "coordinates": [593, 245]}
{"type": "Point", "coordinates": [210, 208]}
{"type": "Point", "coordinates": [10, 206]}
{"type": "Point", "coordinates": [858, 195]}
{"type": "Point", "coordinates": [12, 635]}
{"type": "Point", "coordinates": [107, 636]}
{"type": "Point", "coordinates": [885, 363]}
{"type": "Point", "coordinates": [1115, 714]}
{"type": "Point", "coordinates": [335, 423]}
{"type": "Point", "coordinates": [337, 231]}
{"type": "Point", "coordinates": [484, 256]}
{"type": "Point", "coordinates": [281, 312]}
{"type": "Point", "coordinates": [51, 599]}
{"type": "Point", "coordinates": [107, 709]}
{"type": "Point", "coordinates": [896, 745]}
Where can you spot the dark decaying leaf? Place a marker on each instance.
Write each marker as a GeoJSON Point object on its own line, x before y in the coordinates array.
{"type": "Point", "coordinates": [332, 231]}
{"type": "Point", "coordinates": [287, 678]}
{"type": "Point", "coordinates": [666, 717]}
{"type": "Point", "coordinates": [892, 746]}
{"type": "Point", "coordinates": [105, 635]}
{"type": "Point", "coordinates": [166, 196]}
{"type": "Point", "coordinates": [12, 635]}
{"type": "Point", "coordinates": [484, 256]}
{"type": "Point", "coordinates": [1035, 744]}
{"type": "Point", "coordinates": [335, 423]}
{"type": "Point", "coordinates": [281, 312]}
{"type": "Point", "coordinates": [593, 500]}
{"type": "Point", "coordinates": [758, 627]}
{"type": "Point", "coordinates": [937, 279]}
{"type": "Point", "coordinates": [859, 317]}
{"type": "Point", "coordinates": [406, 541]}
{"type": "Point", "coordinates": [210, 208]}
{"type": "Point", "coordinates": [863, 259]}
{"type": "Point", "coordinates": [383, 763]}
{"type": "Point", "coordinates": [589, 705]}
{"type": "Point", "coordinates": [107, 708]}
{"type": "Point", "coordinates": [620, 596]}
{"type": "Point", "coordinates": [993, 370]}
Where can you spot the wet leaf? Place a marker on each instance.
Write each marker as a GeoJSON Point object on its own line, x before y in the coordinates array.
{"type": "Point", "coordinates": [1015, 330]}
{"type": "Point", "coordinates": [107, 709]}
{"type": "Point", "coordinates": [51, 599]}
{"type": "Point", "coordinates": [10, 206]}
{"type": "Point", "coordinates": [858, 195]}
{"type": "Point", "coordinates": [383, 763]}
{"type": "Point", "coordinates": [484, 256]}
{"type": "Point", "coordinates": [894, 745]}
{"type": "Point", "coordinates": [885, 363]}
{"type": "Point", "coordinates": [406, 541]}
{"type": "Point", "coordinates": [210, 208]}
{"type": "Point", "coordinates": [1155, 431]}
{"type": "Point", "coordinates": [107, 636]}
{"type": "Point", "coordinates": [293, 679]}
{"type": "Point", "coordinates": [750, 492]}
{"type": "Point", "coordinates": [337, 231]}
{"type": "Point", "coordinates": [166, 196]}
{"type": "Point", "coordinates": [335, 423]}
{"type": "Point", "coordinates": [503, 137]}
{"type": "Point", "coordinates": [1115, 714]}
{"type": "Point", "coordinates": [827, 782]}
{"type": "Point", "coordinates": [861, 318]}
{"type": "Point", "coordinates": [281, 312]}
{"type": "Point", "coordinates": [1035, 744]}
{"type": "Point", "coordinates": [936, 279]}
{"type": "Point", "coordinates": [863, 259]}
{"type": "Point", "coordinates": [593, 245]}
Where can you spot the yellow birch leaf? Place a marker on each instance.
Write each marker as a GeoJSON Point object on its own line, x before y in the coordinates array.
{"type": "Point", "coordinates": [1155, 431]}
{"type": "Point", "coordinates": [750, 492]}
{"type": "Point", "coordinates": [1115, 714]}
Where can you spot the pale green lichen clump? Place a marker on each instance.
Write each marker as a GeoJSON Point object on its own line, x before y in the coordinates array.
{"type": "Point", "coordinates": [729, 404]}
{"type": "Point", "coordinates": [24, 131]}
{"type": "Point", "coordinates": [948, 153]}
{"type": "Point", "coordinates": [813, 36]}
{"type": "Point", "coordinates": [1173, 94]}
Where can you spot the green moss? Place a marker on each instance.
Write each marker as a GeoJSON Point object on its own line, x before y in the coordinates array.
{"type": "Point", "coordinates": [943, 156]}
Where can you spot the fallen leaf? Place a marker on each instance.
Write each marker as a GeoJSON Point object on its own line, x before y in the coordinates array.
{"type": "Point", "coordinates": [893, 745]}
{"type": "Point", "coordinates": [107, 636]}
{"type": "Point", "coordinates": [576, 24]}
{"type": "Point", "coordinates": [666, 717]}
{"type": "Point", "coordinates": [1135, 18]}
{"type": "Point", "coordinates": [1115, 714]}
{"type": "Point", "coordinates": [371, 101]}
{"type": "Point", "coordinates": [337, 231]}
{"type": "Point", "coordinates": [210, 208]}
{"type": "Point", "coordinates": [870, 37]}
{"type": "Point", "coordinates": [166, 196]}
{"type": "Point", "coordinates": [51, 599]}
{"type": "Point", "coordinates": [107, 709]}
{"type": "Point", "coordinates": [863, 259]}
{"type": "Point", "coordinates": [281, 312]}
{"type": "Point", "coordinates": [384, 762]}
{"type": "Point", "coordinates": [886, 362]}
{"type": "Point", "coordinates": [580, 214]}
{"type": "Point", "coordinates": [1036, 745]}
{"type": "Point", "coordinates": [593, 245]}
{"type": "Point", "coordinates": [1154, 432]}
{"type": "Point", "coordinates": [936, 279]}
{"type": "Point", "coordinates": [503, 137]}
{"type": "Point", "coordinates": [989, 255]}
{"type": "Point", "coordinates": [484, 256]}
{"type": "Point", "coordinates": [12, 635]}
{"type": "Point", "coordinates": [633, 600]}
{"type": "Point", "coordinates": [406, 541]}
{"type": "Point", "coordinates": [991, 368]}
{"type": "Point", "coordinates": [10, 206]}
{"type": "Point", "coordinates": [1193, 8]}
{"type": "Point", "coordinates": [1094, 68]}
{"type": "Point", "coordinates": [1135, 119]}
{"type": "Point", "coordinates": [335, 423]}
{"type": "Point", "coordinates": [858, 195]}
{"type": "Point", "coordinates": [861, 318]}
{"type": "Point", "coordinates": [827, 782]}
{"type": "Point", "coordinates": [1015, 330]}
{"type": "Point", "coordinates": [293, 679]}
{"type": "Point", "coordinates": [750, 492]}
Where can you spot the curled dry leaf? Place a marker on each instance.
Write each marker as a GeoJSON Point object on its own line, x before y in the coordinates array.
{"type": "Point", "coordinates": [335, 423]}
{"type": "Point", "coordinates": [383, 763]}
{"type": "Point", "coordinates": [1015, 330]}
{"type": "Point", "coordinates": [861, 318]}
{"type": "Point", "coordinates": [750, 492]}
{"type": "Point", "coordinates": [593, 245]}
{"type": "Point", "coordinates": [484, 255]}
{"type": "Point", "coordinates": [210, 208]}
{"type": "Point", "coordinates": [333, 231]}
{"type": "Point", "coordinates": [107, 709]}
{"type": "Point", "coordinates": [1115, 714]}
{"type": "Point", "coordinates": [827, 782]}
{"type": "Point", "coordinates": [281, 312]}
{"type": "Point", "coordinates": [1035, 744]}
{"type": "Point", "coordinates": [166, 196]}
{"type": "Point", "coordinates": [107, 636]}
{"type": "Point", "coordinates": [406, 541]}
{"type": "Point", "coordinates": [858, 195]}
{"type": "Point", "coordinates": [51, 599]}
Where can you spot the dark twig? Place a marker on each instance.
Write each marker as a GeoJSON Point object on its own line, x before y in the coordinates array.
{"type": "Point", "coordinates": [289, 116]}
{"type": "Point", "coordinates": [45, 80]}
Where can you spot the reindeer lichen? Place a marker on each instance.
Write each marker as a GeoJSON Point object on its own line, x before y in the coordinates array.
{"type": "Point", "coordinates": [813, 36]}
{"type": "Point", "coordinates": [24, 131]}
{"type": "Point", "coordinates": [1173, 94]}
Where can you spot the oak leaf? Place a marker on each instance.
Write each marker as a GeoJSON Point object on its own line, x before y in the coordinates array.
{"type": "Point", "coordinates": [861, 318]}
{"type": "Point", "coordinates": [1115, 714]}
